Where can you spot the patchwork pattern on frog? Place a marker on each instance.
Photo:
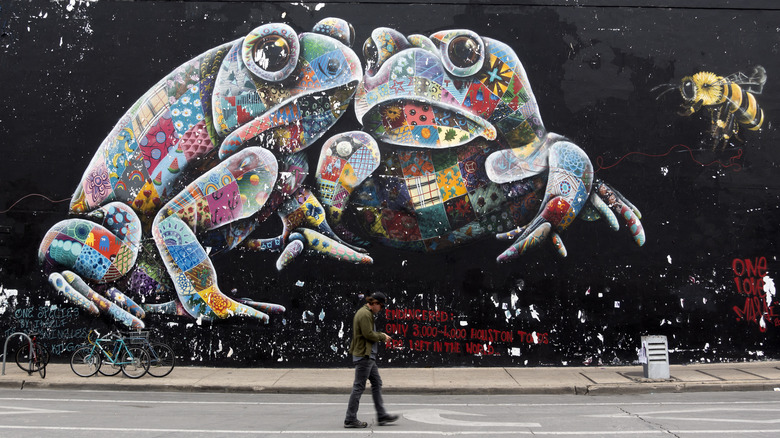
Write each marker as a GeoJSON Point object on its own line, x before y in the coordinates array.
{"type": "Point", "coordinates": [459, 151]}
{"type": "Point", "coordinates": [210, 151]}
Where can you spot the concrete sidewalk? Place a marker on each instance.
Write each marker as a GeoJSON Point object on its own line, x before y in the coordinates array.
{"type": "Point", "coordinates": [752, 376]}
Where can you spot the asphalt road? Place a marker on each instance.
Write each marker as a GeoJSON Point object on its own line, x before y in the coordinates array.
{"type": "Point", "coordinates": [37, 413]}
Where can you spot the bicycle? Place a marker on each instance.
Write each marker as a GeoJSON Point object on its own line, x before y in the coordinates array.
{"type": "Point", "coordinates": [39, 359]}
{"type": "Point", "coordinates": [87, 360]}
{"type": "Point", "coordinates": [161, 357]}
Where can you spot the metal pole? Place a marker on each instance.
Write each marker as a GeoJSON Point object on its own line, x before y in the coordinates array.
{"type": "Point", "coordinates": [5, 348]}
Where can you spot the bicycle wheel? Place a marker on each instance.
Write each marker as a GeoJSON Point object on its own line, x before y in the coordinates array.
{"type": "Point", "coordinates": [41, 357]}
{"type": "Point", "coordinates": [85, 362]}
{"type": "Point", "coordinates": [109, 369]}
{"type": "Point", "coordinates": [161, 359]}
{"type": "Point", "coordinates": [42, 370]}
{"type": "Point", "coordinates": [135, 362]}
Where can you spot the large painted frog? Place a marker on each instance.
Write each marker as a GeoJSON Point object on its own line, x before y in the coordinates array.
{"type": "Point", "coordinates": [204, 156]}
{"type": "Point", "coordinates": [472, 156]}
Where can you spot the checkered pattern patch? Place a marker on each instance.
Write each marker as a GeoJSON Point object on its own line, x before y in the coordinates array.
{"type": "Point", "coordinates": [363, 162]}
{"type": "Point", "coordinates": [151, 105]}
{"type": "Point", "coordinates": [326, 191]}
{"type": "Point", "coordinates": [424, 190]}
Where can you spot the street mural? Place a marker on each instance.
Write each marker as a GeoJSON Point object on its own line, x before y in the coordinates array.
{"type": "Point", "coordinates": [245, 204]}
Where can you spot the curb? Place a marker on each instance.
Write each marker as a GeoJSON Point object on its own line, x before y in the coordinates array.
{"type": "Point", "coordinates": [592, 390]}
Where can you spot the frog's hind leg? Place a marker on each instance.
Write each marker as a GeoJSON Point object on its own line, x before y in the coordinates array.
{"type": "Point", "coordinates": [232, 191]}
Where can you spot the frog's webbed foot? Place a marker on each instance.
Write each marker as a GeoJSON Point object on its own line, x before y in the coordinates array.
{"type": "Point", "coordinates": [304, 219]}
{"type": "Point", "coordinates": [606, 202]}
{"type": "Point", "coordinates": [569, 182]}
{"type": "Point", "coordinates": [234, 190]}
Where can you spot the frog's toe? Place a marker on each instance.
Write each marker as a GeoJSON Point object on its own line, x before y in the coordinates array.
{"type": "Point", "coordinates": [531, 238]}
{"type": "Point", "coordinates": [293, 249]}
{"type": "Point", "coordinates": [71, 286]}
{"type": "Point", "coordinates": [71, 295]}
{"type": "Point", "coordinates": [607, 200]}
{"type": "Point", "coordinates": [335, 249]}
{"type": "Point", "coordinates": [263, 307]}
{"type": "Point", "coordinates": [316, 242]}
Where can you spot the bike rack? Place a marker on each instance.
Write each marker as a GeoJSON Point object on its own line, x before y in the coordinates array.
{"type": "Point", "coordinates": [5, 347]}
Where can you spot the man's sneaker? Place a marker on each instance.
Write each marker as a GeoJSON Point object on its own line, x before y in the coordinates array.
{"type": "Point", "coordinates": [387, 419]}
{"type": "Point", "coordinates": [355, 424]}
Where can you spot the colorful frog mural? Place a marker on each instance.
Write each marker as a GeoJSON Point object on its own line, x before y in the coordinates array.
{"type": "Point", "coordinates": [215, 148]}
{"type": "Point", "coordinates": [473, 156]}
{"type": "Point", "coordinates": [206, 154]}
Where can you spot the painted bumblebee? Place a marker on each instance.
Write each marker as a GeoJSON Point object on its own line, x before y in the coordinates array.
{"type": "Point", "coordinates": [730, 100]}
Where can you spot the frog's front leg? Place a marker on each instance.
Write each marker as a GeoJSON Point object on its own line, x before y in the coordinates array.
{"type": "Point", "coordinates": [234, 190]}
{"type": "Point", "coordinates": [346, 160]}
{"type": "Point", "coordinates": [570, 178]}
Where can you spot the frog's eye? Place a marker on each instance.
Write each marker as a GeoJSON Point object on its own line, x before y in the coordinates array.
{"type": "Point", "coordinates": [336, 28]}
{"type": "Point", "coordinates": [463, 54]}
{"type": "Point", "coordinates": [381, 46]}
{"type": "Point", "coordinates": [271, 52]}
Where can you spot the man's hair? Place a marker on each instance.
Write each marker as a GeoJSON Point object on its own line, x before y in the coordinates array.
{"type": "Point", "coordinates": [377, 297]}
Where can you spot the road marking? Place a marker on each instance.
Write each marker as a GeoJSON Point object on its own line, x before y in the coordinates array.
{"type": "Point", "coordinates": [373, 431]}
{"type": "Point", "coordinates": [196, 402]}
{"type": "Point", "coordinates": [662, 415]}
{"type": "Point", "coordinates": [434, 416]}
{"type": "Point", "coordinates": [15, 410]}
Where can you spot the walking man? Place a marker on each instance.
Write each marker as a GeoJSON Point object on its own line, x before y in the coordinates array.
{"type": "Point", "coordinates": [363, 348]}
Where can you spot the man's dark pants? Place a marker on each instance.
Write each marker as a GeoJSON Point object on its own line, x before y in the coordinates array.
{"type": "Point", "coordinates": [366, 369]}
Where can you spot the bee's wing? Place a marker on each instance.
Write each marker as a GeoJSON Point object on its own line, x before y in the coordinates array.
{"type": "Point", "coordinates": [753, 83]}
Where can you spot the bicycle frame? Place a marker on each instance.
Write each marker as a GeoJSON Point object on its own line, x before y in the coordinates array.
{"type": "Point", "coordinates": [119, 346]}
